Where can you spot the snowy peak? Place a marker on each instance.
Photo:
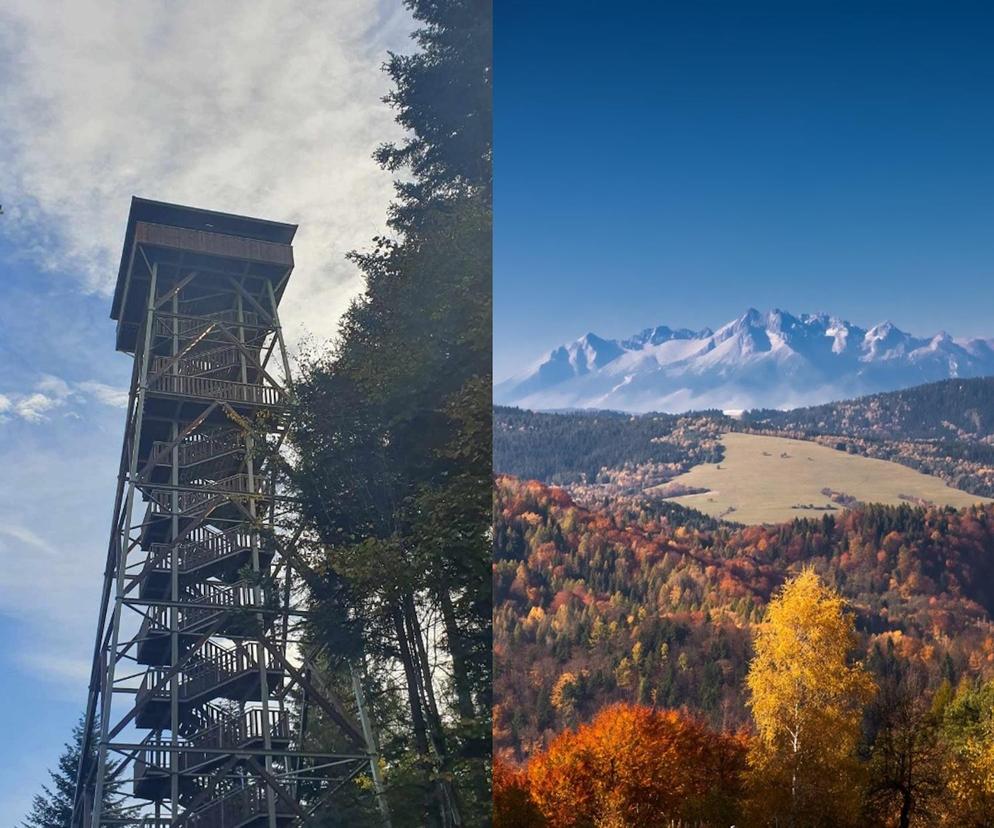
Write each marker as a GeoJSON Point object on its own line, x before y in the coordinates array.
{"type": "Point", "coordinates": [590, 352]}
{"type": "Point", "coordinates": [661, 334]}
{"type": "Point", "coordinates": [770, 359]}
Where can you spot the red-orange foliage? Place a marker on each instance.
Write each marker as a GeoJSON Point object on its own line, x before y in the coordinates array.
{"type": "Point", "coordinates": [635, 765]}
{"type": "Point", "coordinates": [513, 805]}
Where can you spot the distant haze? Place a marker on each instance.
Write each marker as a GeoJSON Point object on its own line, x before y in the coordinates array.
{"type": "Point", "coordinates": [759, 360]}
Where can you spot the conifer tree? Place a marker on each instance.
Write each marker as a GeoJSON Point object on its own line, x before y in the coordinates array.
{"type": "Point", "coordinates": [52, 808]}
{"type": "Point", "coordinates": [393, 440]}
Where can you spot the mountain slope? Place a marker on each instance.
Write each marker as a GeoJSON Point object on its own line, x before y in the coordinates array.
{"type": "Point", "coordinates": [760, 360]}
{"type": "Point", "coordinates": [947, 410]}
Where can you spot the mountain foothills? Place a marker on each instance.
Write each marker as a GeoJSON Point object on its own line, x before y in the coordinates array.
{"type": "Point", "coordinates": [630, 602]}
{"type": "Point", "coordinates": [760, 360]}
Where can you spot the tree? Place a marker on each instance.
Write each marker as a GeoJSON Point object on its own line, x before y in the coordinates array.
{"type": "Point", "coordinates": [806, 699]}
{"type": "Point", "coordinates": [636, 765]}
{"type": "Point", "coordinates": [906, 757]}
{"type": "Point", "coordinates": [513, 803]}
{"type": "Point", "coordinates": [968, 730]}
{"type": "Point", "coordinates": [393, 438]}
{"type": "Point", "coordinates": [52, 808]}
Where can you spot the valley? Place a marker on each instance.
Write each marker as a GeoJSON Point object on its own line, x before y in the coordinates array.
{"type": "Point", "coordinates": [633, 602]}
{"type": "Point", "coordinates": [640, 561]}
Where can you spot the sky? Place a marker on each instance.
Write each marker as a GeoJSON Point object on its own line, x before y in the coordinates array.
{"type": "Point", "coordinates": [678, 163]}
{"type": "Point", "coordinates": [270, 109]}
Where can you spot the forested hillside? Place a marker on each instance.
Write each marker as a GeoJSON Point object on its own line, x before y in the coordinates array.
{"type": "Point", "coordinates": [948, 410]}
{"type": "Point", "coordinates": [628, 603]}
{"type": "Point", "coordinates": [583, 446]}
{"type": "Point", "coordinates": [945, 429]}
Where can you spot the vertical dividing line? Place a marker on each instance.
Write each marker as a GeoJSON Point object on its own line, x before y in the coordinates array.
{"type": "Point", "coordinates": [122, 555]}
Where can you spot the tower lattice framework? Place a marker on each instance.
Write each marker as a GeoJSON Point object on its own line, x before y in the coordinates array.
{"type": "Point", "coordinates": [200, 702]}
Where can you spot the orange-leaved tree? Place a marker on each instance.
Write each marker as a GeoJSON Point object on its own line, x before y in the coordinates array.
{"type": "Point", "coordinates": [513, 804]}
{"type": "Point", "coordinates": [807, 699]}
{"type": "Point", "coordinates": [635, 765]}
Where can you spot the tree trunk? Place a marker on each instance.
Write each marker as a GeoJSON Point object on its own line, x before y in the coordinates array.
{"type": "Point", "coordinates": [905, 808]}
{"type": "Point", "coordinates": [436, 731]}
{"type": "Point", "coordinates": [457, 650]}
{"type": "Point", "coordinates": [431, 815]}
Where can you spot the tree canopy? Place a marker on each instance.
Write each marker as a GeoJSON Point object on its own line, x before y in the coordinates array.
{"type": "Point", "coordinates": [392, 438]}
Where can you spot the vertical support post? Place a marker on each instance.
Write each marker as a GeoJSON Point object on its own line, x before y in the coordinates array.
{"type": "Point", "coordinates": [174, 756]}
{"type": "Point", "coordinates": [257, 595]}
{"type": "Point", "coordinates": [83, 799]}
{"type": "Point", "coordinates": [123, 543]}
{"type": "Point", "coordinates": [287, 378]}
{"type": "Point", "coordinates": [372, 746]}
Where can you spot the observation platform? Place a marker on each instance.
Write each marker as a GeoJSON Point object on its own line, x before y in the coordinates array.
{"type": "Point", "coordinates": [175, 239]}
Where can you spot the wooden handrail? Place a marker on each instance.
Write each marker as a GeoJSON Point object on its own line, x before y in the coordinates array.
{"type": "Point", "coordinates": [216, 389]}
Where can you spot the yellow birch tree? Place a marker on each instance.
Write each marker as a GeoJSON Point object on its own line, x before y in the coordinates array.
{"type": "Point", "coordinates": [806, 698]}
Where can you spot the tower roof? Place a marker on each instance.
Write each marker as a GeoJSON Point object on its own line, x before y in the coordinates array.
{"type": "Point", "coordinates": [193, 218]}
{"type": "Point", "coordinates": [174, 236]}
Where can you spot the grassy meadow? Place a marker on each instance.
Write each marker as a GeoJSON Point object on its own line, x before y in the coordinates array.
{"type": "Point", "coordinates": [774, 479]}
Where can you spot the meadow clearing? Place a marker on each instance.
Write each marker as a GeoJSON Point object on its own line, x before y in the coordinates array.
{"type": "Point", "coordinates": [774, 479]}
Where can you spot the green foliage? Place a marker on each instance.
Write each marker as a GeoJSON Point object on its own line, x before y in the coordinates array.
{"type": "Point", "coordinates": [52, 808]}
{"type": "Point", "coordinates": [393, 441]}
{"type": "Point", "coordinates": [443, 97]}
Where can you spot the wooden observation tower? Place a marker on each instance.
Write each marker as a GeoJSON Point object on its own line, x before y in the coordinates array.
{"type": "Point", "coordinates": [200, 701]}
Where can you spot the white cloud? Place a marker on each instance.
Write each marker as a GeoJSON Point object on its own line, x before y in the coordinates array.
{"type": "Point", "coordinates": [52, 394]}
{"type": "Point", "coordinates": [54, 386]}
{"type": "Point", "coordinates": [265, 108]}
{"type": "Point", "coordinates": [105, 394]}
{"type": "Point", "coordinates": [34, 407]}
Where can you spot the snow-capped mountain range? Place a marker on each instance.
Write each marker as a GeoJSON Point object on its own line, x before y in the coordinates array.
{"type": "Point", "coordinates": [760, 360]}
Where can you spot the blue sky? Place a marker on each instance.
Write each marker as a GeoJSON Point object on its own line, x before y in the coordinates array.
{"type": "Point", "coordinates": [59, 445]}
{"type": "Point", "coordinates": [278, 119]}
{"type": "Point", "coordinates": [677, 163]}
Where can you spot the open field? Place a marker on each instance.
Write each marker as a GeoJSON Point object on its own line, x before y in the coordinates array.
{"type": "Point", "coordinates": [762, 478]}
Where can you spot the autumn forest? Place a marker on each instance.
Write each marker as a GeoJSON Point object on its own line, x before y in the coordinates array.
{"type": "Point", "coordinates": [654, 666]}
